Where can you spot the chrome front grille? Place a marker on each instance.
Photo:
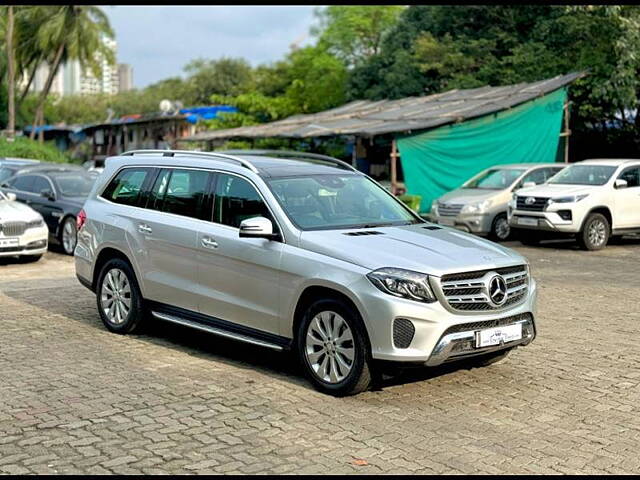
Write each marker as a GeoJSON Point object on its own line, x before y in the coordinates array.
{"type": "Point", "coordinates": [469, 291]}
{"type": "Point", "coordinates": [13, 229]}
{"type": "Point", "coordinates": [536, 205]}
{"type": "Point", "coordinates": [449, 209]}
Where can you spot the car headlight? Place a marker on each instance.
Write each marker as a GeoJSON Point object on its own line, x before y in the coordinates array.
{"type": "Point", "coordinates": [403, 283]}
{"type": "Point", "coordinates": [476, 207]}
{"type": "Point", "coordinates": [567, 199]}
{"type": "Point", "coordinates": [36, 223]}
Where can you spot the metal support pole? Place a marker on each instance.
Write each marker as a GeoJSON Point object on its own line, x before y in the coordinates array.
{"type": "Point", "coordinates": [566, 133]}
{"type": "Point", "coordinates": [394, 172]}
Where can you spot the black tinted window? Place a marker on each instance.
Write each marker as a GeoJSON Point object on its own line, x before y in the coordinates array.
{"type": "Point", "coordinates": [24, 183]}
{"type": "Point", "coordinates": [237, 200]}
{"type": "Point", "coordinates": [632, 176]}
{"type": "Point", "coordinates": [185, 193]}
{"type": "Point", "coordinates": [127, 185]}
{"type": "Point", "coordinates": [40, 184]}
{"type": "Point", "coordinates": [156, 196]}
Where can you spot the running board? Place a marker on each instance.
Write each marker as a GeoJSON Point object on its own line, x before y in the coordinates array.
{"type": "Point", "coordinates": [216, 331]}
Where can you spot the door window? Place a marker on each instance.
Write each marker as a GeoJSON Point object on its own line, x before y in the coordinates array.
{"type": "Point", "coordinates": [236, 200]}
{"type": "Point", "coordinates": [632, 176]}
{"type": "Point", "coordinates": [125, 188]}
{"type": "Point", "coordinates": [40, 184]}
{"type": "Point", "coordinates": [23, 183]}
{"type": "Point", "coordinates": [185, 192]}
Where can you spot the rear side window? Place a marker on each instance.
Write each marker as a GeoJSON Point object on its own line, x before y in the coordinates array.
{"type": "Point", "coordinates": [126, 187]}
{"type": "Point", "coordinates": [23, 183]}
{"type": "Point", "coordinates": [181, 192]}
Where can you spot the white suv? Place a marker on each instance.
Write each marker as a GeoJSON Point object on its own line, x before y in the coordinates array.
{"type": "Point", "coordinates": [593, 200]}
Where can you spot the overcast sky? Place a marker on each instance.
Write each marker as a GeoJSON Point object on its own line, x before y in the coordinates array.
{"type": "Point", "coordinates": [159, 40]}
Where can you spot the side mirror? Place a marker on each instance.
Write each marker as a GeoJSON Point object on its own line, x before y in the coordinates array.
{"type": "Point", "coordinates": [48, 194]}
{"type": "Point", "coordinates": [257, 227]}
{"type": "Point", "coordinates": [529, 184]}
{"type": "Point", "coordinates": [620, 183]}
{"type": "Point", "coordinates": [11, 196]}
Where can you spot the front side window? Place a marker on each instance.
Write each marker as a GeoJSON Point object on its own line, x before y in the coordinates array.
{"type": "Point", "coordinates": [125, 188]}
{"type": "Point", "coordinates": [41, 184]}
{"type": "Point", "coordinates": [584, 175]}
{"type": "Point", "coordinates": [323, 202]}
{"type": "Point", "coordinates": [237, 200]}
{"type": "Point", "coordinates": [632, 176]}
{"type": "Point", "coordinates": [494, 179]}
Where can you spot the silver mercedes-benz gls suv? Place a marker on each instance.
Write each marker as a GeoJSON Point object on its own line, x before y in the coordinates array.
{"type": "Point", "coordinates": [296, 251]}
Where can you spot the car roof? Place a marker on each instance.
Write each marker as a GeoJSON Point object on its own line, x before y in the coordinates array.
{"type": "Point", "coordinates": [528, 165]}
{"type": "Point", "coordinates": [613, 162]}
{"type": "Point", "coordinates": [46, 168]}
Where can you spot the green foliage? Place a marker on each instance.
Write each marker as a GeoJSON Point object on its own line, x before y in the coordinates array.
{"type": "Point", "coordinates": [22, 147]}
{"type": "Point", "coordinates": [226, 76]}
{"type": "Point", "coordinates": [354, 33]}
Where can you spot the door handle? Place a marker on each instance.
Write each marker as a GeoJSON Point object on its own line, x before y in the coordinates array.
{"type": "Point", "coordinates": [144, 228]}
{"type": "Point", "coordinates": [208, 242]}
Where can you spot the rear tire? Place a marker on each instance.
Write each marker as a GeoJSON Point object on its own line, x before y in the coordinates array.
{"type": "Point", "coordinates": [332, 348]}
{"type": "Point", "coordinates": [120, 303]}
{"type": "Point", "coordinates": [500, 229]}
{"type": "Point", "coordinates": [69, 235]}
{"type": "Point", "coordinates": [595, 232]}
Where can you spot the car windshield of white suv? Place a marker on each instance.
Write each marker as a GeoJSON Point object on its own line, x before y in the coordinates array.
{"type": "Point", "coordinates": [75, 184]}
{"type": "Point", "coordinates": [584, 175]}
{"type": "Point", "coordinates": [324, 202]}
{"type": "Point", "coordinates": [494, 179]}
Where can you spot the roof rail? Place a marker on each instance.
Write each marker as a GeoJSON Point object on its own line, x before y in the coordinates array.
{"type": "Point", "coordinates": [214, 155]}
{"type": "Point", "coordinates": [291, 154]}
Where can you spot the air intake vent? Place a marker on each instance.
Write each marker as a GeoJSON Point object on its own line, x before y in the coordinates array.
{"type": "Point", "coordinates": [364, 232]}
{"type": "Point", "coordinates": [432, 227]}
{"type": "Point", "coordinates": [403, 331]}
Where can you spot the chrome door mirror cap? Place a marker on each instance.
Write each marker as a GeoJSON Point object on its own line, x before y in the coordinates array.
{"type": "Point", "coordinates": [257, 227]}
{"type": "Point", "coordinates": [620, 183]}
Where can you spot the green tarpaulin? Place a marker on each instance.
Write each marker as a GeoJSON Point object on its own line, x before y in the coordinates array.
{"type": "Point", "coordinates": [440, 160]}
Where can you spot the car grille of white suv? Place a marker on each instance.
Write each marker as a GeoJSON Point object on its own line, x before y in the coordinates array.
{"type": "Point", "coordinates": [449, 209]}
{"type": "Point", "coordinates": [469, 291]}
{"type": "Point", "coordinates": [13, 229]}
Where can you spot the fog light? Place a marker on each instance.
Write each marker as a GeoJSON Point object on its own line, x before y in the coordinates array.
{"type": "Point", "coordinates": [565, 214]}
{"type": "Point", "coordinates": [37, 244]}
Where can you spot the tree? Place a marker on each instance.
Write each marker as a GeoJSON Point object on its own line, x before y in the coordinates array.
{"type": "Point", "coordinates": [226, 76]}
{"type": "Point", "coordinates": [11, 127]}
{"type": "Point", "coordinates": [70, 32]}
{"type": "Point", "coordinates": [354, 33]}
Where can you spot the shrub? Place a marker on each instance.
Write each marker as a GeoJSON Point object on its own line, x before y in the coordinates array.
{"type": "Point", "coordinates": [23, 147]}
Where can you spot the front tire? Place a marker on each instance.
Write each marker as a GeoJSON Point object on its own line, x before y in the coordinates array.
{"type": "Point", "coordinates": [500, 229]}
{"type": "Point", "coordinates": [332, 348]}
{"type": "Point", "coordinates": [69, 235]}
{"type": "Point", "coordinates": [595, 232]}
{"type": "Point", "coordinates": [120, 303]}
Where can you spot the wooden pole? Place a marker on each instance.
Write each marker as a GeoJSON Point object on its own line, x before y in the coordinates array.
{"type": "Point", "coordinates": [566, 133]}
{"type": "Point", "coordinates": [11, 127]}
{"type": "Point", "coordinates": [394, 172]}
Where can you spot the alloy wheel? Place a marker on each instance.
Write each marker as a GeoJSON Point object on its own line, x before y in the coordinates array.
{"type": "Point", "coordinates": [69, 237]}
{"type": "Point", "coordinates": [502, 228]}
{"type": "Point", "coordinates": [115, 296]}
{"type": "Point", "coordinates": [329, 347]}
{"type": "Point", "coordinates": [597, 232]}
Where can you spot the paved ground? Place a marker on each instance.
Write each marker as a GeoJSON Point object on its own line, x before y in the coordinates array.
{"type": "Point", "coordinates": [77, 399]}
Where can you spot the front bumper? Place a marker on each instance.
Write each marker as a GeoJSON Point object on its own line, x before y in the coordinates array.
{"type": "Point", "coordinates": [548, 221]}
{"type": "Point", "coordinates": [478, 223]}
{"type": "Point", "coordinates": [432, 343]}
{"type": "Point", "coordinates": [34, 241]}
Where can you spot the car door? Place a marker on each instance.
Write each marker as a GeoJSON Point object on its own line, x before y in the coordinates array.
{"type": "Point", "coordinates": [238, 278]}
{"type": "Point", "coordinates": [45, 205]}
{"type": "Point", "coordinates": [167, 228]}
{"type": "Point", "coordinates": [627, 200]}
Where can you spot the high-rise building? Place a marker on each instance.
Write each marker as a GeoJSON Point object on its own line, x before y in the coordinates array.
{"type": "Point", "coordinates": [125, 77]}
{"type": "Point", "coordinates": [71, 79]}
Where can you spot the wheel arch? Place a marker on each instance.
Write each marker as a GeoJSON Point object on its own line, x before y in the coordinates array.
{"type": "Point", "coordinates": [603, 210]}
{"type": "Point", "coordinates": [109, 253]}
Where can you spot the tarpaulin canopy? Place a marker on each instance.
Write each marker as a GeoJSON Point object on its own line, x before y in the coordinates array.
{"type": "Point", "coordinates": [440, 160]}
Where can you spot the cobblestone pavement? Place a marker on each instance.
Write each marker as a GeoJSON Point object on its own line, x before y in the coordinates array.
{"type": "Point", "coordinates": [77, 399]}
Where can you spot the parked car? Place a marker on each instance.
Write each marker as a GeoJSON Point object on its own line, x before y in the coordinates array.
{"type": "Point", "coordinates": [23, 232]}
{"type": "Point", "coordinates": [301, 253]}
{"type": "Point", "coordinates": [480, 205]}
{"type": "Point", "coordinates": [590, 200]}
{"type": "Point", "coordinates": [57, 192]}
{"type": "Point", "coordinates": [9, 166]}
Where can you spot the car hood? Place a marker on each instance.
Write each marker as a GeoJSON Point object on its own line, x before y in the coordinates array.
{"type": "Point", "coordinates": [555, 190]}
{"type": "Point", "coordinates": [16, 211]}
{"type": "Point", "coordinates": [463, 196]}
{"type": "Point", "coordinates": [412, 247]}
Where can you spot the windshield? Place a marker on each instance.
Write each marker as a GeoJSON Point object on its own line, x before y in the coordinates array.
{"type": "Point", "coordinates": [584, 175]}
{"type": "Point", "coordinates": [323, 202]}
{"type": "Point", "coordinates": [75, 184]}
{"type": "Point", "coordinates": [494, 179]}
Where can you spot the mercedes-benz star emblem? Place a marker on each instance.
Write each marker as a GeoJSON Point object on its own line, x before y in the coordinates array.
{"type": "Point", "coordinates": [497, 290]}
{"type": "Point", "coordinates": [529, 200]}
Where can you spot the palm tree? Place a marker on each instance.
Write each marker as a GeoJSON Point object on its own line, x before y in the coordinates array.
{"type": "Point", "coordinates": [70, 32]}
{"type": "Point", "coordinates": [11, 123]}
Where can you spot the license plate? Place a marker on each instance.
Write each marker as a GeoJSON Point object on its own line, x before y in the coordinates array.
{"type": "Point", "coordinates": [447, 221]}
{"type": "Point", "coordinates": [498, 335]}
{"type": "Point", "coordinates": [8, 242]}
{"type": "Point", "coordinates": [528, 221]}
